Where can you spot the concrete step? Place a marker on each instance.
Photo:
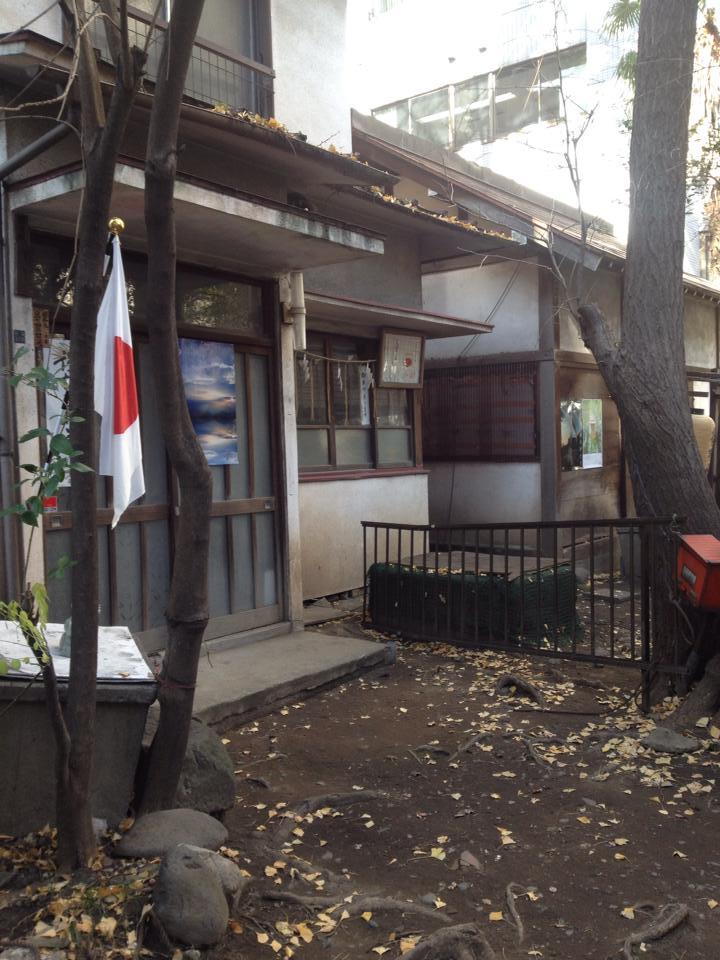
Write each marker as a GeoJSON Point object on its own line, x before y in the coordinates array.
{"type": "Point", "coordinates": [240, 682]}
{"type": "Point", "coordinates": [323, 610]}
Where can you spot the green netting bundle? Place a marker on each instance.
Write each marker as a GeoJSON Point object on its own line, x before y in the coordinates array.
{"type": "Point", "coordinates": [466, 608]}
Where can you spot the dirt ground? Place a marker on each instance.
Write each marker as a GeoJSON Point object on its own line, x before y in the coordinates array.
{"type": "Point", "coordinates": [595, 832]}
{"type": "Point", "coordinates": [446, 802]}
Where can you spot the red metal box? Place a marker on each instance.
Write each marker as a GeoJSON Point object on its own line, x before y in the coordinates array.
{"type": "Point", "coordinates": [698, 570]}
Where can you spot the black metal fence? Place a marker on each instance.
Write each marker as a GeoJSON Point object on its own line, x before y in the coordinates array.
{"type": "Point", "coordinates": [215, 76]}
{"type": "Point", "coordinates": [585, 590]}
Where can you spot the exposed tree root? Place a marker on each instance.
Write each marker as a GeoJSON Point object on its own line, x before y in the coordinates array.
{"type": "Point", "coordinates": [463, 942]}
{"type": "Point", "coordinates": [311, 804]}
{"type": "Point", "coordinates": [476, 738]}
{"type": "Point", "coordinates": [668, 918]}
{"type": "Point", "coordinates": [512, 891]}
{"type": "Point", "coordinates": [531, 744]}
{"type": "Point", "coordinates": [703, 700]}
{"type": "Point", "coordinates": [358, 906]}
{"type": "Point", "coordinates": [431, 748]}
{"type": "Point", "coordinates": [523, 687]}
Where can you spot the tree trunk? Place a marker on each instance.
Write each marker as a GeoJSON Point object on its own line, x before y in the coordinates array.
{"type": "Point", "coordinates": [187, 612]}
{"type": "Point", "coordinates": [101, 145]}
{"type": "Point", "coordinates": [645, 372]}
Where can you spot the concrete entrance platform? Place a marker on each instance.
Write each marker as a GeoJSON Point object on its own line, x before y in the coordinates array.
{"type": "Point", "coordinates": [236, 683]}
{"type": "Point", "coordinates": [323, 610]}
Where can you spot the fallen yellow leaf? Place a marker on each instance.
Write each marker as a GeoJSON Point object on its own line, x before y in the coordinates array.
{"type": "Point", "coordinates": [495, 916]}
{"type": "Point", "coordinates": [628, 913]}
{"type": "Point", "coordinates": [106, 926]}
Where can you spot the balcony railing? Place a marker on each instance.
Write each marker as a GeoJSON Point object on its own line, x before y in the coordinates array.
{"type": "Point", "coordinates": [215, 76]}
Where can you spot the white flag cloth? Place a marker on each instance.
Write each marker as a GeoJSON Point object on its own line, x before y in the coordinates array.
{"type": "Point", "coordinates": [116, 397]}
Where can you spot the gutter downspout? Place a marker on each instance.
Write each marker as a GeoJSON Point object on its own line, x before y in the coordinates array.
{"type": "Point", "coordinates": [292, 297]}
{"type": "Point", "coordinates": [12, 550]}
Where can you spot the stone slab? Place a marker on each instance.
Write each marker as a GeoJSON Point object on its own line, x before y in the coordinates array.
{"type": "Point", "coordinates": [27, 752]}
{"type": "Point", "coordinates": [323, 610]}
{"type": "Point", "coordinates": [250, 679]}
{"type": "Point", "coordinates": [119, 658]}
{"type": "Point", "coordinates": [157, 834]}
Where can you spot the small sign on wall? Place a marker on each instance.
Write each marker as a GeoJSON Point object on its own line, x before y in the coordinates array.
{"type": "Point", "coordinates": [401, 360]}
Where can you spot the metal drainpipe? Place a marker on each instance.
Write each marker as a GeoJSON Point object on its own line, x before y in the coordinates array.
{"type": "Point", "coordinates": [11, 541]}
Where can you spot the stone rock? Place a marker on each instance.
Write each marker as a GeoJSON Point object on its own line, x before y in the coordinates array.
{"type": "Point", "coordinates": [228, 873]}
{"type": "Point", "coordinates": [189, 900]}
{"type": "Point", "coordinates": [156, 834]}
{"type": "Point", "coordinates": [19, 953]}
{"type": "Point", "coordinates": [468, 861]}
{"type": "Point", "coordinates": [207, 781]}
{"type": "Point", "coordinates": [192, 955]}
{"type": "Point", "coordinates": [664, 740]}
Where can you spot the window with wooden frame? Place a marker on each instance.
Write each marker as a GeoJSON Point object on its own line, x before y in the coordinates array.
{"type": "Point", "coordinates": [486, 412]}
{"type": "Point", "coordinates": [344, 421]}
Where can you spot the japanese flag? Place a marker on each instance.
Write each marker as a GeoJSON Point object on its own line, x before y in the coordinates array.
{"type": "Point", "coordinates": [116, 397]}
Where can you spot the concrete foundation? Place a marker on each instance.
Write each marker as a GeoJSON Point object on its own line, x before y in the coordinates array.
{"type": "Point", "coordinates": [27, 752]}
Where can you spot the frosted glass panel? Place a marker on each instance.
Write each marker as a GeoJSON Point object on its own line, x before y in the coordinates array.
{"type": "Point", "coordinates": [353, 447]}
{"type": "Point", "coordinates": [267, 573]}
{"type": "Point", "coordinates": [219, 584]}
{"type": "Point", "coordinates": [57, 544]}
{"type": "Point", "coordinates": [394, 446]}
{"type": "Point", "coordinates": [240, 472]}
{"type": "Point", "coordinates": [129, 587]}
{"type": "Point", "coordinates": [105, 616]}
{"type": "Point", "coordinates": [244, 586]}
{"type": "Point", "coordinates": [158, 574]}
{"type": "Point", "coordinates": [313, 448]}
{"type": "Point", "coordinates": [153, 444]}
{"type": "Point", "coordinates": [260, 390]}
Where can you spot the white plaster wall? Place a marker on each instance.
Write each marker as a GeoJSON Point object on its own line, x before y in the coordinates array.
{"type": "Point", "coordinates": [472, 294]}
{"type": "Point", "coordinates": [16, 14]}
{"type": "Point", "coordinates": [27, 418]}
{"type": "Point", "coordinates": [484, 492]}
{"type": "Point", "coordinates": [602, 287]}
{"type": "Point", "coordinates": [330, 531]}
{"type": "Point", "coordinates": [309, 60]}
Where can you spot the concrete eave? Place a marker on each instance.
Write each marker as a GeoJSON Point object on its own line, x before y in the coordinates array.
{"type": "Point", "coordinates": [305, 164]}
{"type": "Point", "coordinates": [341, 315]}
{"type": "Point", "coordinates": [224, 229]}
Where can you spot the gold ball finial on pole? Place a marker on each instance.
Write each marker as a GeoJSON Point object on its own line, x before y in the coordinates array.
{"type": "Point", "coordinates": [116, 226]}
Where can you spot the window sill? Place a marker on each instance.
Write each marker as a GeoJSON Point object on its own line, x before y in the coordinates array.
{"type": "Point", "coordinates": [373, 474]}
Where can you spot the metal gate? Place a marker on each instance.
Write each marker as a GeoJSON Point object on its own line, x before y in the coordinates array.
{"type": "Point", "coordinates": [580, 590]}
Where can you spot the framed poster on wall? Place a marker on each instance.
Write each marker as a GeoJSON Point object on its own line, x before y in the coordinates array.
{"type": "Point", "coordinates": [401, 359]}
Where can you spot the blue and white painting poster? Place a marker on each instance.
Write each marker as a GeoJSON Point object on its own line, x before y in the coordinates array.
{"type": "Point", "coordinates": [208, 370]}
